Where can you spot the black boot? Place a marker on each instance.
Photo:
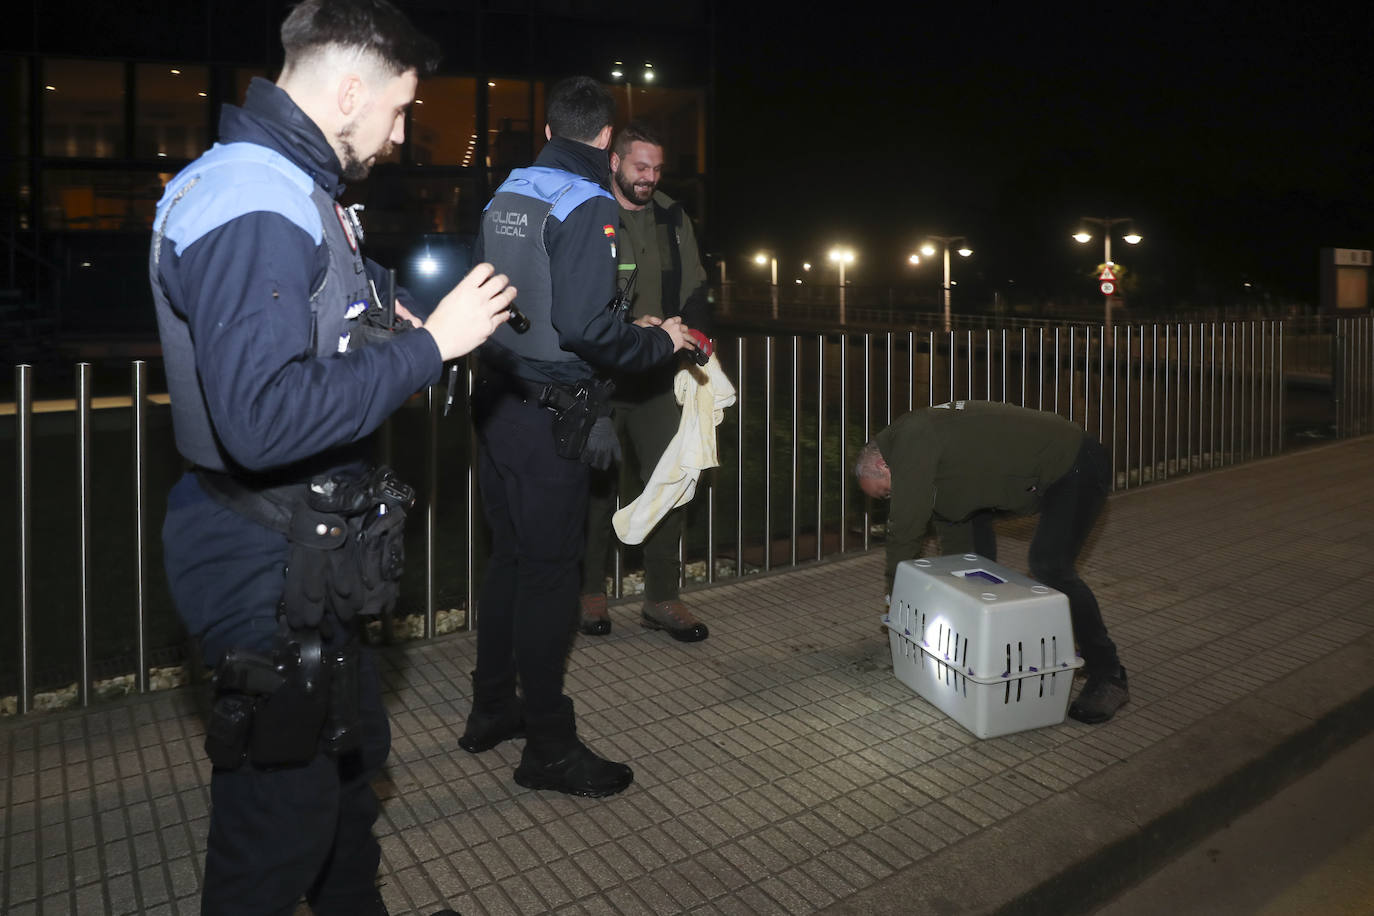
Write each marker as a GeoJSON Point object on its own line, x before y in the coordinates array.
{"type": "Point", "coordinates": [497, 715]}
{"type": "Point", "coordinates": [555, 759]}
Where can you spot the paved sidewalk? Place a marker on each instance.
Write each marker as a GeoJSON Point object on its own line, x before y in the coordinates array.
{"type": "Point", "coordinates": [780, 768]}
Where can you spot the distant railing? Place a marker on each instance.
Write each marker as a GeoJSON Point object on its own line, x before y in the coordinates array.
{"type": "Point", "coordinates": [1166, 398]}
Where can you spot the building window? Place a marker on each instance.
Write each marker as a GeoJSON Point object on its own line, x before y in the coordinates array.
{"type": "Point", "coordinates": [443, 122]}
{"type": "Point", "coordinates": [83, 108]}
{"type": "Point", "coordinates": [100, 200]}
{"type": "Point", "coordinates": [171, 111]}
{"type": "Point", "coordinates": [510, 126]}
{"type": "Point", "coordinates": [14, 129]}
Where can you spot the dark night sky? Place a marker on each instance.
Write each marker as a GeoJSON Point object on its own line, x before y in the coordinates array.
{"type": "Point", "coordinates": [1240, 143]}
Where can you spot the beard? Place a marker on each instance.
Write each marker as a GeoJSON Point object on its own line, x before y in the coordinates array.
{"type": "Point", "coordinates": [640, 194]}
{"type": "Point", "coordinates": [355, 167]}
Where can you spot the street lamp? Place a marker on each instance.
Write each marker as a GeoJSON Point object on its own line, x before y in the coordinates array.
{"type": "Point", "coordinates": [842, 256]}
{"type": "Point", "coordinates": [763, 258]}
{"type": "Point", "coordinates": [1083, 237]}
{"type": "Point", "coordinates": [963, 251]}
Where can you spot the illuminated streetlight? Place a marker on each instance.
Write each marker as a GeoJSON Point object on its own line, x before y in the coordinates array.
{"type": "Point", "coordinates": [963, 251]}
{"type": "Point", "coordinates": [842, 257]}
{"type": "Point", "coordinates": [1082, 236]}
{"type": "Point", "coordinates": [763, 258]}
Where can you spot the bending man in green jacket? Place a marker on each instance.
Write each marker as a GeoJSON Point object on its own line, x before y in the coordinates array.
{"type": "Point", "coordinates": [959, 464]}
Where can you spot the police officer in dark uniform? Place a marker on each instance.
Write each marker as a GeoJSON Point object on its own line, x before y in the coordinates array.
{"type": "Point", "coordinates": [542, 419]}
{"type": "Point", "coordinates": [281, 358]}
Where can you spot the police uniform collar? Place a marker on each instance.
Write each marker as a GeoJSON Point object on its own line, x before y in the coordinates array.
{"type": "Point", "coordinates": [270, 118]}
{"type": "Point", "coordinates": [579, 158]}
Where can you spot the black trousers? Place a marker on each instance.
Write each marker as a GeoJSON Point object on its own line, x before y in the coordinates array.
{"type": "Point", "coordinates": [535, 504]}
{"type": "Point", "coordinates": [275, 835]}
{"type": "Point", "coordinates": [1069, 508]}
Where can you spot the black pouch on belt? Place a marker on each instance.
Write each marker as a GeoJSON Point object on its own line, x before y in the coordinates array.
{"type": "Point", "coordinates": [576, 412]}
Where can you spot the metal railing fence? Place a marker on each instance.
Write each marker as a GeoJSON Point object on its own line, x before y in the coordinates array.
{"type": "Point", "coordinates": [1166, 398]}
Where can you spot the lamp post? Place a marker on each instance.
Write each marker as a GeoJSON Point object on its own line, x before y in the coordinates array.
{"type": "Point", "coordinates": [764, 258]}
{"type": "Point", "coordinates": [842, 256]}
{"type": "Point", "coordinates": [963, 251]}
{"type": "Point", "coordinates": [1083, 237]}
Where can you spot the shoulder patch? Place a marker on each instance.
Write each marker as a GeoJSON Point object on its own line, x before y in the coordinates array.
{"type": "Point", "coordinates": [233, 180]}
{"type": "Point", "coordinates": [563, 190]}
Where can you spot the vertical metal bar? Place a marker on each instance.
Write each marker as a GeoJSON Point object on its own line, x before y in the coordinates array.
{"type": "Point", "coordinates": [1140, 411]}
{"type": "Point", "coordinates": [740, 387]}
{"type": "Point", "coordinates": [617, 556]}
{"type": "Point", "coordinates": [1178, 393]}
{"type": "Point", "coordinates": [891, 352]}
{"type": "Point", "coordinates": [1212, 402]}
{"type": "Point", "coordinates": [1189, 453]}
{"type": "Point", "coordinates": [1040, 365]}
{"type": "Point", "coordinates": [433, 399]}
{"type": "Point", "coordinates": [1155, 402]}
{"type": "Point", "coordinates": [23, 461]}
{"type": "Point", "coordinates": [1251, 385]}
{"type": "Point", "coordinates": [768, 345]}
{"type": "Point", "coordinates": [1102, 393]}
{"type": "Point", "coordinates": [1126, 455]}
{"type": "Point", "coordinates": [710, 480]}
{"type": "Point", "coordinates": [868, 412]}
{"type": "Point", "coordinates": [1154, 396]}
{"type": "Point", "coordinates": [930, 368]}
{"type": "Point", "coordinates": [1116, 351]}
{"type": "Point", "coordinates": [1237, 391]}
{"type": "Point", "coordinates": [83, 528]}
{"type": "Point", "coordinates": [1267, 382]}
{"type": "Point", "coordinates": [987, 366]}
{"type": "Point", "coordinates": [1282, 387]}
{"type": "Point", "coordinates": [953, 359]}
{"type": "Point", "coordinates": [910, 371]}
{"type": "Point", "coordinates": [1025, 358]}
{"type": "Point", "coordinates": [844, 434]}
{"type": "Point", "coordinates": [968, 336]}
{"type": "Point", "coordinates": [820, 445]}
{"type": "Point", "coordinates": [796, 438]}
{"type": "Point", "coordinates": [1054, 374]}
{"type": "Point", "coordinates": [139, 422]}
{"type": "Point", "coordinates": [470, 560]}
{"type": "Point", "coordinates": [1004, 365]}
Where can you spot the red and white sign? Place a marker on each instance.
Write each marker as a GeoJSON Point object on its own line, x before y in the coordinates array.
{"type": "Point", "coordinates": [1106, 273]}
{"type": "Point", "coordinates": [1108, 287]}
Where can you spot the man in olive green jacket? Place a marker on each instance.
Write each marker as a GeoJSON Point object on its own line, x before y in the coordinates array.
{"type": "Point", "coordinates": [957, 465]}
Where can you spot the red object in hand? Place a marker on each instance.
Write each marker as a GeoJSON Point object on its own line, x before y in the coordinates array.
{"type": "Point", "coordinates": [703, 342]}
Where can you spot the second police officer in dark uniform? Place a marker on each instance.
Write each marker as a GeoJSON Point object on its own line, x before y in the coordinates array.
{"type": "Point", "coordinates": [551, 228]}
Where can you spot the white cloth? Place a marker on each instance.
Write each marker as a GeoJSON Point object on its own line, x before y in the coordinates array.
{"type": "Point", "coordinates": [704, 392]}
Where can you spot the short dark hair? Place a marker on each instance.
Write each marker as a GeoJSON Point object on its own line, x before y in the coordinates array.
{"type": "Point", "coordinates": [370, 26]}
{"type": "Point", "coordinates": [637, 131]}
{"type": "Point", "coordinates": [579, 108]}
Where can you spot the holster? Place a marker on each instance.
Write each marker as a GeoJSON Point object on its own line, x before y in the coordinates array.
{"type": "Point", "coordinates": [576, 410]}
{"type": "Point", "coordinates": [283, 709]}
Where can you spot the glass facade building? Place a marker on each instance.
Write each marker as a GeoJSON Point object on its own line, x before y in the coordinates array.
{"type": "Point", "coordinates": [104, 104]}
